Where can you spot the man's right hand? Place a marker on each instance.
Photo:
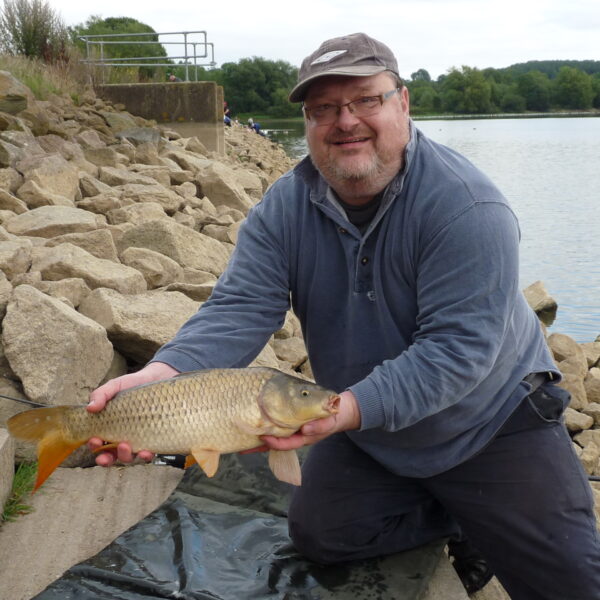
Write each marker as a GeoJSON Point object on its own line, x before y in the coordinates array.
{"type": "Point", "coordinates": [101, 396]}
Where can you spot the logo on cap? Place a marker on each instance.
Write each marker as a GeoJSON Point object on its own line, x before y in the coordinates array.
{"type": "Point", "coordinates": [327, 56]}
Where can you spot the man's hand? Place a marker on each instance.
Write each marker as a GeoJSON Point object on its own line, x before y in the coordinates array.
{"type": "Point", "coordinates": [346, 419]}
{"type": "Point", "coordinates": [101, 396]}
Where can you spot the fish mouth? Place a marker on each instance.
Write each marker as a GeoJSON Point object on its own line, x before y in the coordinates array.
{"type": "Point", "coordinates": [332, 404]}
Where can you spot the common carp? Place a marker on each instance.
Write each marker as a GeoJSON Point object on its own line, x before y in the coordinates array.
{"type": "Point", "coordinates": [201, 414]}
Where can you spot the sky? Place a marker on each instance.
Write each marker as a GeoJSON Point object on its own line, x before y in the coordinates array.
{"type": "Point", "coordinates": [435, 35]}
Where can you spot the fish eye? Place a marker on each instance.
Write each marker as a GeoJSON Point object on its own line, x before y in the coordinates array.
{"type": "Point", "coordinates": [304, 393]}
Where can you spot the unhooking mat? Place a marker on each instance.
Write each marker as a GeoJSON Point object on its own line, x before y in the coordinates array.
{"type": "Point", "coordinates": [226, 538]}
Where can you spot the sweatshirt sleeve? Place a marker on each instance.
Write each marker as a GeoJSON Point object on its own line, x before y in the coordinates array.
{"type": "Point", "coordinates": [247, 305]}
{"type": "Point", "coordinates": [466, 291]}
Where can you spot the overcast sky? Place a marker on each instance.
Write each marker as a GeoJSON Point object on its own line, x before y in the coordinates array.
{"type": "Point", "coordinates": [431, 34]}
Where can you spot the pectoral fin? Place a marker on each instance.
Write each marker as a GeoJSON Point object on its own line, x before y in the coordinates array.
{"type": "Point", "coordinates": [207, 459]}
{"type": "Point", "coordinates": [285, 466]}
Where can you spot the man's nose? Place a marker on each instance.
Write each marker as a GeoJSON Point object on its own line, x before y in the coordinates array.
{"type": "Point", "coordinates": [346, 118]}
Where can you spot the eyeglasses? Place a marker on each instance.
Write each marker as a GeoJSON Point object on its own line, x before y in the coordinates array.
{"type": "Point", "coordinates": [367, 106]}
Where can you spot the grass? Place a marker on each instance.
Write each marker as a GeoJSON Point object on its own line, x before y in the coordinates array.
{"type": "Point", "coordinates": [22, 486]}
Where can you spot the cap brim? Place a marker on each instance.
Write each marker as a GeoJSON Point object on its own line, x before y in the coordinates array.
{"type": "Point", "coordinates": [299, 92]}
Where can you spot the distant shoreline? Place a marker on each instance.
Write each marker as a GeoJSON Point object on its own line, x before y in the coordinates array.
{"type": "Point", "coordinates": [531, 115]}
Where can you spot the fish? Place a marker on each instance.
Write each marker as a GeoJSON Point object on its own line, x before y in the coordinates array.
{"type": "Point", "coordinates": [200, 414]}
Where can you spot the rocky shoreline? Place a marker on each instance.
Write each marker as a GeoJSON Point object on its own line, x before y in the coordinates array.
{"type": "Point", "coordinates": [113, 231]}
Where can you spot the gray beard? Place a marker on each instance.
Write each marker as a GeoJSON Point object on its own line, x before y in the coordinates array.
{"type": "Point", "coordinates": [351, 183]}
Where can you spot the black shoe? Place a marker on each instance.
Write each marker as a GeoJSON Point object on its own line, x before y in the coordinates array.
{"type": "Point", "coordinates": [471, 568]}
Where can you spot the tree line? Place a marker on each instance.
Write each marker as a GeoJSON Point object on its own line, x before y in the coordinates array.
{"type": "Point", "coordinates": [260, 86]}
{"type": "Point", "coordinates": [538, 86]}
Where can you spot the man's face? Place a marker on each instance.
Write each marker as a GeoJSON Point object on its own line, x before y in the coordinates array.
{"type": "Point", "coordinates": [358, 156]}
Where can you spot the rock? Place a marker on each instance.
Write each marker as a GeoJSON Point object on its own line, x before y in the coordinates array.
{"type": "Point", "coordinates": [118, 367]}
{"type": "Point", "coordinates": [10, 180]}
{"type": "Point", "coordinates": [50, 221]}
{"type": "Point", "coordinates": [185, 246]}
{"type": "Point", "coordinates": [291, 350]}
{"type": "Point", "coordinates": [137, 213]}
{"type": "Point", "coordinates": [587, 436]}
{"type": "Point", "coordinates": [102, 156]}
{"type": "Point", "coordinates": [10, 154]}
{"type": "Point", "coordinates": [138, 324]}
{"type": "Point", "coordinates": [220, 185]}
{"type": "Point", "coordinates": [103, 202]}
{"type": "Point", "coordinates": [574, 385]}
{"type": "Point", "coordinates": [564, 347]}
{"type": "Point", "coordinates": [59, 355]}
{"type": "Point", "coordinates": [73, 289]}
{"type": "Point", "coordinates": [290, 328]}
{"type": "Point", "coordinates": [118, 121]}
{"type": "Point", "coordinates": [5, 293]}
{"type": "Point", "coordinates": [118, 176]}
{"type": "Point", "coordinates": [187, 161]}
{"type": "Point", "coordinates": [591, 385]}
{"type": "Point", "coordinates": [589, 457]}
{"type": "Point", "coordinates": [266, 358]}
{"type": "Point", "coordinates": [12, 203]}
{"type": "Point", "coordinates": [593, 410]}
{"type": "Point", "coordinates": [52, 173]}
{"type": "Point", "coordinates": [577, 421]}
{"type": "Point", "coordinates": [592, 353]}
{"type": "Point", "coordinates": [35, 196]}
{"type": "Point", "coordinates": [98, 243]}
{"type": "Point", "coordinates": [250, 183]}
{"type": "Point", "coordinates": [140, 135]}
{"type": "Point", "coordinates": [200, 292]}
{"type": "Point", "coordinates": [168, 199]}
{"type": "Point", "coordinates": [14, 96]}
{"type": "Point", "coordinates": [158, 270]}
{"type": "Point", "coordinates": [15, 257]}
{"type": "Point", "coordinates": [67, 260]}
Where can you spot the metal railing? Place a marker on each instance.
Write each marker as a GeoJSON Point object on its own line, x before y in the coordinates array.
{"type": "Point", "coordinates": [193, 44]}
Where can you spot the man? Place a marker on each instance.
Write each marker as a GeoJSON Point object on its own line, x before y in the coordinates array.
{"type": "Point", "coordinates": [401, 262]}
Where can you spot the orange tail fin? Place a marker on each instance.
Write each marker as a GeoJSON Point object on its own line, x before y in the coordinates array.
{"type": "Point", "coordinates": [44, 426]}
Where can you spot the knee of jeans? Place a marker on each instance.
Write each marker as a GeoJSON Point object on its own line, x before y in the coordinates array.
{"type": "Point", "coordinates": [314, 544]}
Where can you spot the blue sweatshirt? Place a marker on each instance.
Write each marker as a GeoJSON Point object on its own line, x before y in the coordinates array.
{"type": "Point", "coordinates": [421, 317]}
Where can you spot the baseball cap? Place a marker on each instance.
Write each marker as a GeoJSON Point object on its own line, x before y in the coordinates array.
{"type": "Point", "coordinates": [356, 55]}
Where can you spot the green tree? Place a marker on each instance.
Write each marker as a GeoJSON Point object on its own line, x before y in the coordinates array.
{"type": "Point", "coordinates": [95, 25]}
{"type": "Point", "coordinates": [32, 28]}
{"type": "Point", "coordinates": [596, 89]}
{"type": "Point", "coordinates": [256, 85]}
{"type": "Point", "coordinates": [420, 75]}
{"type": "Point", "coordinates": [534, 86]}
{"type": "Point", "coordinates": [573, 88]}
{"type": "Point", "coordinates": [466, 91]}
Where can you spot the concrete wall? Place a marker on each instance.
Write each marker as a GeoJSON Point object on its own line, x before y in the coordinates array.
{"type": "Point", "coordinates": [191, 108]}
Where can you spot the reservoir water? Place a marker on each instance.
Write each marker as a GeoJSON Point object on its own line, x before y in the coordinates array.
{"type": "Point", "coordinates": [549, 169]}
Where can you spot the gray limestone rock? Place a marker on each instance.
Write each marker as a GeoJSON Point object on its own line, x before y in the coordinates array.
{"type": "Point", "coordinates": [59, 355]}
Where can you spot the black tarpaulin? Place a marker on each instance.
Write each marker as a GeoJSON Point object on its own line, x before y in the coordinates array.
{"type": "Point", "coordinates": [226, 539]}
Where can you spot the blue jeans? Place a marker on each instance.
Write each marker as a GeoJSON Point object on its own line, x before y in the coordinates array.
{"type": "Point", "coordinates": [523, 501]}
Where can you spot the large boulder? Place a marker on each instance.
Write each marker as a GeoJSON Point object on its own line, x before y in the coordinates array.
{"type": "Point", "coordinates": [138, 325]}
{"type": "Point", "coordinates": [50, 221]}
{"type": "Point", "coordinates": [52, 173]}
{"type": "Point", "coordinates": [14, 96]}
{"type": "Point", "coordinates": [67, 260]}
{"type": "Point", "coordinates": [184, 245]}
{"type": "Point", "coordinates": [59, 355]}
{"type": "Point", "coordinates": [220, 184]}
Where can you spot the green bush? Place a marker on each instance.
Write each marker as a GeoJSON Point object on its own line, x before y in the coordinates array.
{"type": "Point", "coordinates": [32, 28]}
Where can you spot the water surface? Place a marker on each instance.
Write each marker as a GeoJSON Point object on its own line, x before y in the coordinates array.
{"type": "Point", "coordinates": [549, 169]}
